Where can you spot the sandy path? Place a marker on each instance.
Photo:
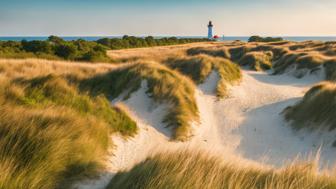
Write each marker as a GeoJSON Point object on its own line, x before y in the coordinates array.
{"type": "Point", "coordinates": [247, 125]}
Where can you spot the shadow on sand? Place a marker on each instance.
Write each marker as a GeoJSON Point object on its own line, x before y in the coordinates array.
{"type": "Point", "coordinates": [285, 79]}
{"type": "Point", "coordinates": [265, 136]}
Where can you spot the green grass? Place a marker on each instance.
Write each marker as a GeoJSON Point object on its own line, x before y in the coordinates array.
{"type": "Point", "coordinates": [51, 134]}
{"type": "Point", "coordinates": [198, 68]}
{"type": "Point", "coordinates": [164, 85]}
{"type": "Point", "coordinates": [258, 61]}
{"type": "Point", "coordinates": [199, 170]}
{"type": "Point", "coordinates": [317, 109]}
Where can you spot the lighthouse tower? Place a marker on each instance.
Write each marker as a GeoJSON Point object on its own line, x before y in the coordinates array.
{"type": "Point", "coordinates": [210, 26]}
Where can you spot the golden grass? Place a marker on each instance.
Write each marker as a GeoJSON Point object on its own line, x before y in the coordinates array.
{"type": "Point", "coordinates": [258, 61]}
{"type": "Point", "coordinates": [164, 85]}
{"type": "Point", "coordinates": [297, 55]}
{"type": "Point", "coordinates": [157, 54]}
{"type": "Point", "coordinates": [215, 52]}
{"type": "Point", "coordinates": [65, 118]}
{"type": "Point", "coordinates": [52, 133]}
{"type": "Point", "coordinates": [200, 170]}
{"type": "Point", "coordinates": [198, 68]}
{"type": "Point", "coordinates": [317, 110]}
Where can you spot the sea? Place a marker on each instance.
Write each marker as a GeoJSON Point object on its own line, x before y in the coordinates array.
{"type": "Point", "coordinates": [224, 38]}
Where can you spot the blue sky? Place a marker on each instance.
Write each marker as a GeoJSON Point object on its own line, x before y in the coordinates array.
{"type": "Point", "coordinates": [174, 17]}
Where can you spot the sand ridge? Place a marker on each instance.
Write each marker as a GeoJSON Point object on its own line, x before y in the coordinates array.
{"type": "Point", "coordinates": [247, 125]}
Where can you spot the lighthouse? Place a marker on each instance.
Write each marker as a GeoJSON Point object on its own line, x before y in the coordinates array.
{"type": "Point", "coordinates": [210, 26]}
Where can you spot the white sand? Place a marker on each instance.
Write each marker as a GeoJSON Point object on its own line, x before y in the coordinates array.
{"type": "Point", "coordinates": [248, 125]}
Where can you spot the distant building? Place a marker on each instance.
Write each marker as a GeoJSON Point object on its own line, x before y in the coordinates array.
{"type": "Point", "coordinates": [210, 26]}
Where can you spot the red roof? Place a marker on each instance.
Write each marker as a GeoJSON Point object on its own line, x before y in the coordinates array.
{"type": "Point", "coordinates": [216, 37]}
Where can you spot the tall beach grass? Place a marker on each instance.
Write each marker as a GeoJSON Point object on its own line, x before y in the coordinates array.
{"type": "Point", "coordinates": [201, 170]}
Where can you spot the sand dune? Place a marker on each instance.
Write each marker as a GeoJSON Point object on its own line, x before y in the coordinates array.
{"type": "Point", "coordinates": [247, 125]}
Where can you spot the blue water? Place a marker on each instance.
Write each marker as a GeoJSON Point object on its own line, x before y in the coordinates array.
{"type": "Point", "coordinates": [229, 38]}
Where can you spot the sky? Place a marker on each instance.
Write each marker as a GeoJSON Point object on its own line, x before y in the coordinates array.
{"type": "Point", "coordinates": [167, 18]}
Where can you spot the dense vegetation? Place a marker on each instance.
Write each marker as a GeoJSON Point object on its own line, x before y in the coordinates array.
{"type": "Point", "coordinates": [264, 39]}
{"type": "Point", "coordinates": [55, 48]}
{"type": "Point", "coordinates": [136, 42]}
{"type": "Point", "coordinates": [199, 170]}
{"type": "Point", "coordinates": [51, 132]}
{"type": "Point", "coordinates": [81, 50]}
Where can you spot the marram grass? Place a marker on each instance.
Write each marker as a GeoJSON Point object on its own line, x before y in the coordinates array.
{"type": "Point", "coordinates": [258, 61]}
{"type": "Point", "coordinates": [164, 85]}
{"type": "Point", "coordinates": [198, 68]}
{"type": "Point", "coordinates": [317, 108]}
{"type": "Point", "coordinates": [200, 170]}
{"type": "Point", "coordinates": [51, 133]}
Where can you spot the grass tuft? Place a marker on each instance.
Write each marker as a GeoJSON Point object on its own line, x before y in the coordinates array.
{"type": "Point", "coordinates": [195, 170]}
{"type": "Point", "coordinates": [215, 52]}
{"type": "Point", "coordinates": [258, 61]}
{"type": "Point", "coordinates": [317, 109]}
{"type": "Point", "coordinates": [198, 68]}
{"type": "Point", "coordinates": [164, 85]}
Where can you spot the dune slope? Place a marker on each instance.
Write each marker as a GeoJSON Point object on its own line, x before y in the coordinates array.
{"type": "Point", "coordinates": [247, 127]}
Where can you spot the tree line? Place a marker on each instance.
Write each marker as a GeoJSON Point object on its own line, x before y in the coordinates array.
{"type": "Point", "coordinates": [81, 50]}
{"type": "Point", "coordinates": [256, 38]}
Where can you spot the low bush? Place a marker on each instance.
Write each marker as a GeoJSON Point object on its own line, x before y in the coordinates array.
{"type": "Point", "coordinates": [135, 42]}
{"type": "Point", "coordinates": [55, 48]}
{"type": "Point", "coordinates": [264, 39]}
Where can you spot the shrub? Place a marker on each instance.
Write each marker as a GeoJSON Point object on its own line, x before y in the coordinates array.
{"type": "Point", "coordinates": [264, 39]}
{"type": "Point", "coordinates": [97, 54]}
{"type": "Point", "coordinates": [67, 51]}
{"type": "Point", "coordinates": [136, 42]}
{"type": "Point", "coordinates": [37, 47]}
{"type": "Point", "coordinates": [55, 39]}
